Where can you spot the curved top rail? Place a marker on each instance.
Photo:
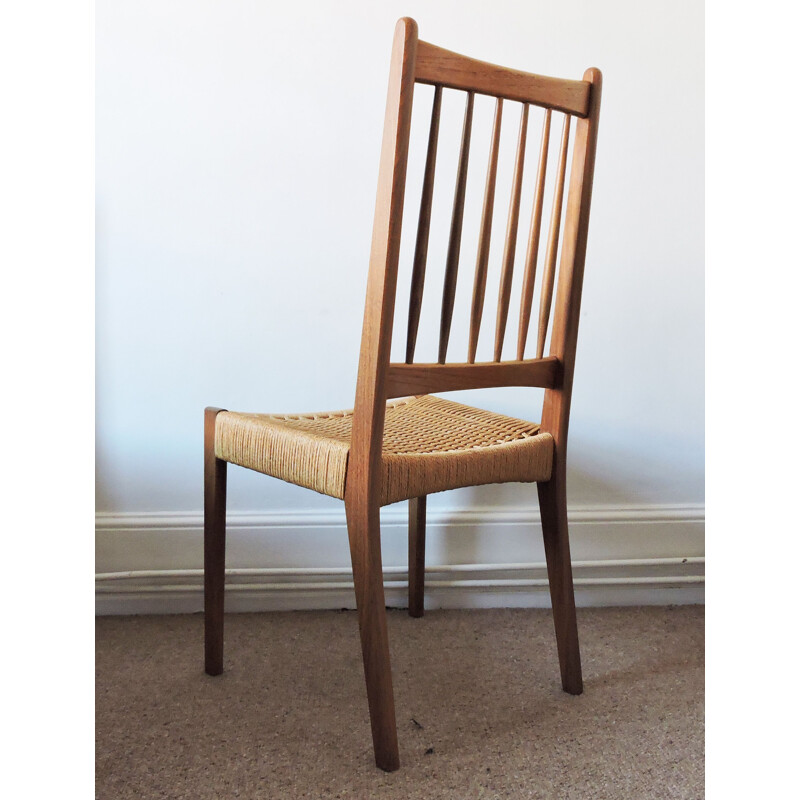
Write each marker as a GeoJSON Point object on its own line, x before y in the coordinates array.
{"type": "Point", "coordinates": [445, 68]}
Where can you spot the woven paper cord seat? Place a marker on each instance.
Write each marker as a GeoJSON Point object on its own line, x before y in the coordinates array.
{"type": "Point", "coordinates": [429, 445]}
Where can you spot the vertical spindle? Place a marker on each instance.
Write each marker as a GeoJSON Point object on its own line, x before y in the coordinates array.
{"type": "Point", "coordinates": [507, 274]}
{"type": "Point", "coordinates": [423, 229]}
{"type": "Point", "coordinates": [532, 255]}
{"type": "Point", "coordinates": [456, 224]}
{"type": "Point", "coordinates": [552, 242]}
{"type": "Point", "coordinates": [481, 265]}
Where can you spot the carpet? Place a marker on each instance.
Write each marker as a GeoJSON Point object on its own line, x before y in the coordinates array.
{"type": "Point", "coordinates": [480, 710]}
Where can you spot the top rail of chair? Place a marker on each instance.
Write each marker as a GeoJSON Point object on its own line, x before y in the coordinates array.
{"type": "Point", "coordinates": [439, 66]}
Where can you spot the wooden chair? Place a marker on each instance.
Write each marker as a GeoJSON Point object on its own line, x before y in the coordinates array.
{"type": "Point", "coordinates": [377, 453]}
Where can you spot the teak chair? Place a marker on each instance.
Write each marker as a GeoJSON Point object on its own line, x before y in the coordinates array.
{"type": "Point", "coordinates": [381, 453]}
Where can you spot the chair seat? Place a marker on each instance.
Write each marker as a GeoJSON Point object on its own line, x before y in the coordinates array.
{"type": "Point", "coordinates": [429, 445]}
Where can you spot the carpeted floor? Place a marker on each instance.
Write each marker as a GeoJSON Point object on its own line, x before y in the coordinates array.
{"type": "Point", "coordinates": [480, 709]}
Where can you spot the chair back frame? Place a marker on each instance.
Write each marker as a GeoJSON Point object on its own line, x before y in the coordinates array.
{"type": "Point", "coordinates": [379, 379]}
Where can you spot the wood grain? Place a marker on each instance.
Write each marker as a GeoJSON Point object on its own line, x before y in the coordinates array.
{"type": "Point", "coordinates": [437, 65]}
{"type": "Point", "coordinates": [557, 400]}
{"type": "Point", "coordinates": [564, 338]}
{"type": "Point", "coordinates": [510, 250]}
{"type": "Point", "coordinates": [412, 379]}
{"type": "Point", "coordinates": [553, 511]}
{"type": "Point", "coordinates": [362, 490]}
{"type": "Point", "coordinates": [416, 556]}
{"type": "Point", "coordinates": [423, 229]}
{"type": "Point", "coordinates": [456, 225]}
{"type": "Point", "coordinates": [552, 243]}
{"type": "Point", "coordinates": [214, 494]}
{"type": "Point", "coordinates": [484, 240]}
{"type": "Point", "coordinates": [532, 253]}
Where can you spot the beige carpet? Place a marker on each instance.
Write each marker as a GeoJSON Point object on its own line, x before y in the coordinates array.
{"type": "Point", "coordinates": [480, 710]}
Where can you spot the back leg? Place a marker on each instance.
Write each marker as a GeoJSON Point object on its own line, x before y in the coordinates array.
{"type": "Point", "coordinates": [553, 507]}
{"type": "Point", "coordinates": [416, 556]}
{"type": "Point", "coordinates": [363, 529]}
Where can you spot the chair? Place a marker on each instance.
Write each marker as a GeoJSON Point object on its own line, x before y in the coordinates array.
{"type": "Point", "coordinates": [417, 443]}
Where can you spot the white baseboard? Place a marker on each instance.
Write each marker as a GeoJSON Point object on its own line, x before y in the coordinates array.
{"type": "Point", "coordinates": [643, 555]}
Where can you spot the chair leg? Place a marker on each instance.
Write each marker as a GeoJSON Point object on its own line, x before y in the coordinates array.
{"type": "Point", "coordinates": [363, 527]}
{"type": "Point", "coordinates": [553, 507]}
{"type": "Point", "coordinates": [416, 556]}
{"type": "Point", "coordinates": [214, 547]}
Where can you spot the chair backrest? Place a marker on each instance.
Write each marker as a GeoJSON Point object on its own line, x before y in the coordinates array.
{"type": "Point", "coordinates": [578, 102]}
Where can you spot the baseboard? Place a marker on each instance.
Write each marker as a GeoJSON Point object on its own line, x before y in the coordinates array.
{"type": "Point", "coordinates": [642, 555]}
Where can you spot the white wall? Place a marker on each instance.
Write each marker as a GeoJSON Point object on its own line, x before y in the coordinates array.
{"type": "Point", "coordinates": [237, 153]}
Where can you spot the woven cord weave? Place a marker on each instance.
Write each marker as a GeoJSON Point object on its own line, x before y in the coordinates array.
{"type": "Point", "coordinates": [429, 445]}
